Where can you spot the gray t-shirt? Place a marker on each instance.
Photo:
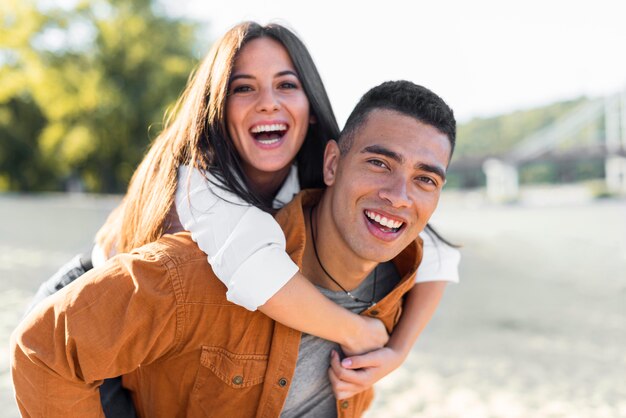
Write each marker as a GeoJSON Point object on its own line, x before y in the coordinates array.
{"type": "Point", "coordinates": [310, 393]}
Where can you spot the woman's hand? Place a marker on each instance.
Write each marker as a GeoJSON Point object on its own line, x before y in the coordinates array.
{"type": "Point", "coordinates": [372, 335]}
{"type": "Point", "coordinates": [357, 373]}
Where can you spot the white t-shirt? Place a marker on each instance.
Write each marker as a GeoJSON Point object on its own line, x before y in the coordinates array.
{"type": "Point", "coordinates": [246, 247]}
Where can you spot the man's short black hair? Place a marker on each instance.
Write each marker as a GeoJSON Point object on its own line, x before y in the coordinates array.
{"type": "Point", "coordinates": [404, 97]}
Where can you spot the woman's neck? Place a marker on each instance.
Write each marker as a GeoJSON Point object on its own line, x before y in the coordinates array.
{"type": "Point", "coordinates": [266, 185]}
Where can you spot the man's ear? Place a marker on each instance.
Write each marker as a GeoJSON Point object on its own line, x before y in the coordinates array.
{"type": "Point", "coordinates": [332, 154]}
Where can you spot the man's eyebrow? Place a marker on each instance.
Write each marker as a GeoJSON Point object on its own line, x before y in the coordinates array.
{"type": "Point", "coordinates": [378, 149]}
{"type": "Point", "coordinates": [432, 169]}
{"type": "Point", "coordinates": [250, 77]}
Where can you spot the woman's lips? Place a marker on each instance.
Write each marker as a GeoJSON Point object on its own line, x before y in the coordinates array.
{"type": "Point", "coordinates": [269, 135]}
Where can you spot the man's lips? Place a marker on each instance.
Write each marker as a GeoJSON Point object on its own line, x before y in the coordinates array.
{"type": "Point", "coordinates": [386, 228]}
{"type": "Point", "coordinates": [384, 220]}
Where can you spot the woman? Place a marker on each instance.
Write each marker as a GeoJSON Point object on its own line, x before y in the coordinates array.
{"type": "Point", "coordinates": [247, 133]}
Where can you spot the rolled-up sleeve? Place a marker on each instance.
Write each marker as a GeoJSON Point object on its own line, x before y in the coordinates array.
{"type": "Point", "coordinates": [244, 245]}
{"type": "Point", "coordinates": [440, 262]}
{"type": "Point", "coordinates": [99, 327]}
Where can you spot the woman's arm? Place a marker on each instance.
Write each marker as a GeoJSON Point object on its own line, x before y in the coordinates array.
{"type": "Point", "coordinates": [356, 373]}
{"type": "Point", "coordinates": [246, 249]}
{"type": "Point", "coordinates": [299, 305]}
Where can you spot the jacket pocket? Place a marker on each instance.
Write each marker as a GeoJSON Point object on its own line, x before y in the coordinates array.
{"type": "Point", "coordinates": [227, 384]}
{"type": "Point", "coordinates": [236, 370]}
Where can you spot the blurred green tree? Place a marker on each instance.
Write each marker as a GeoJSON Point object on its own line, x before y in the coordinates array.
{"type": "Point", "coordinates": [499, 134]}
{"type": "Point", "coordinates": [83, 87]}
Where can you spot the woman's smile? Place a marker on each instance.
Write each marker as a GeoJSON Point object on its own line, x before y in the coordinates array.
{"type": "Point", "coordinates": [269, 135]}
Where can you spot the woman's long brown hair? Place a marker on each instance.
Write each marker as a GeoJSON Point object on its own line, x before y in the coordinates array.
{"type": "Point", "coordinates": [195, 133]}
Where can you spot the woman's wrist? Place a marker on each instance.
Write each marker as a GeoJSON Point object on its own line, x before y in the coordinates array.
{"type": "Point", "coordinates": [366, 335]}
{"type": "Point", "coordinates": [401, 350]}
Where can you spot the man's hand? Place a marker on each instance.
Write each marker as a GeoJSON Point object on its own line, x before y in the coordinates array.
{"type": "Point", "coordinates": [358, 373]}
{"type": "Point", "coordinates": [372, 336]}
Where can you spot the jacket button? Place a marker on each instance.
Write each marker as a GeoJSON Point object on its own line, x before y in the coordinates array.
{"type": "Point", "coordinates": [282, 382]}
{"type": "Point", "coordinates": [345, 404]}
{"type": "Point", "coordinates": [374, 313]}
{"type": "Point", "coordinates": [237, 380]}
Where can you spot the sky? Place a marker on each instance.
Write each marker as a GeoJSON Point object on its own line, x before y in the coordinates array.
{"type": "Point", "coordinates": [484, 57]}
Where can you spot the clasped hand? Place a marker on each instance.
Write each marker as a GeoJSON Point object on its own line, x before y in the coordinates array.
{"type": "Point", "coordinates": [365, 365]}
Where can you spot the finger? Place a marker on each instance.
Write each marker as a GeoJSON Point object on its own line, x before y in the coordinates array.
{"type": "Point", "coordinates": [341, 389]}
{"type": "Point", "coordinates": [371, 359]}
{"type": "Point", "coordinates": [336, 384]}
{"type": "Point", "coordinates": [346, 375]}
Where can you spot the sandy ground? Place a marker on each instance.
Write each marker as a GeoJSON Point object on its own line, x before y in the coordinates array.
{"type": "Point", "coordinates": [537, 328]}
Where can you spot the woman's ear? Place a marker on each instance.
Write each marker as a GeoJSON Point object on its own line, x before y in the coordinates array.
{"type": "Point", "coordinates": [332, 154]}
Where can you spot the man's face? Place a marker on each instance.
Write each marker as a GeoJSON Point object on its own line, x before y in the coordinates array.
{"type": "Point", "coordinates": [386, 187]}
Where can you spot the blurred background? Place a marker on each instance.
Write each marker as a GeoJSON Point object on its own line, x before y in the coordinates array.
{"type": "Point", "coordinates": [536, 192]}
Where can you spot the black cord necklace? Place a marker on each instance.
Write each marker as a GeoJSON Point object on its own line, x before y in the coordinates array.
{"type": "Point", "coordinates": [370, 302]}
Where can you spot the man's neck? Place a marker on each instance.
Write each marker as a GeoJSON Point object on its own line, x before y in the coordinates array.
{"type": "Point", "coordinates": [327, 257]}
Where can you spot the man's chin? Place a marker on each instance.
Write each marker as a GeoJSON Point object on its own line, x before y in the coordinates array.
{"type": "Point", "coordinates": [380, 256]}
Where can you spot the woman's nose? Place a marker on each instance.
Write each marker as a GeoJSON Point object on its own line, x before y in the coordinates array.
{"type": "Point", "coordinates": [268, 102]}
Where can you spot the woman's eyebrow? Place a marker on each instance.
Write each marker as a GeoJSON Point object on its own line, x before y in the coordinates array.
{"type": "Point", "coordinates": [239, 76]}
{"type": "Point", "coordinates": [286, 72]}
{"type": "Point", "coordinates": [251, 77]}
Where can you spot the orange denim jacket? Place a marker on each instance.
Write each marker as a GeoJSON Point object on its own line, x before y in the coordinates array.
{"type": "Point", "coordinates": [160, 318]}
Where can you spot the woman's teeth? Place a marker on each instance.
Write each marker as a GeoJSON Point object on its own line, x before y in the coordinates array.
{"type": "Point", "coordinates": [269, 134]}
{"type": "Point", "coordinates": [268, 128]}
{"type": "Point", "coordinates": [383, 221]}
{"type": "Point", "coordinates": [268, 141]}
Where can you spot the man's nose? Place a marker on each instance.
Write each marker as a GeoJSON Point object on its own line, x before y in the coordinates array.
{"type": "Point", "coordinates": [396, 192]}
{"type": "Point", "coordinates": [268, 102]}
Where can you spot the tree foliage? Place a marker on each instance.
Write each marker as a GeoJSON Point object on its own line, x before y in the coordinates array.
{"type": "Point", "coordinates": [83, 88]}
{"type": "Point", "coordinates": [481, 138]}
{"type": "Point", "coordinates": [499, 134]}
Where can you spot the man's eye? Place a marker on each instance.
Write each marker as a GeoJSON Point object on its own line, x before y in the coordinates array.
{"type": "Point", "coordinates": [378, 163]}
{"type": "Point", "coordinates": [427, 180]}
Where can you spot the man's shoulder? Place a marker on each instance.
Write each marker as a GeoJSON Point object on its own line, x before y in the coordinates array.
{"type": "Point", "coordinates": [176, 246]}
{"type": "Point", "coordinates": [170, 250]}
{"type": "Point", "coordinates": [179, 260]}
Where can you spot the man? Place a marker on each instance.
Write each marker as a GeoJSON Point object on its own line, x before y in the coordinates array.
{"type": "Point", "coordinates": [185, 350]}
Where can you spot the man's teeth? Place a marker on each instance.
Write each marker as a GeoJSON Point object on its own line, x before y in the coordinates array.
{"type": "Point", "coordinates": [268, 128]}
{"type": "Point", "coordinates": [383, 220]}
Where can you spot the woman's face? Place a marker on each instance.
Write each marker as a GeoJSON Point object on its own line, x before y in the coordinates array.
{"type": "Point", "coordinates": [267, 111]}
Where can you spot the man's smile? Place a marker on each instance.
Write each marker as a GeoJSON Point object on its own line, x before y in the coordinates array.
{"type": "Point", "coordinates": [383, 225]}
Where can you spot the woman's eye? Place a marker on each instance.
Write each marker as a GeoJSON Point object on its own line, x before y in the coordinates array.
{"type": "Point", "coordinates": [288, 85]}
{"type": "Point", "coordinates": [241, 89]}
